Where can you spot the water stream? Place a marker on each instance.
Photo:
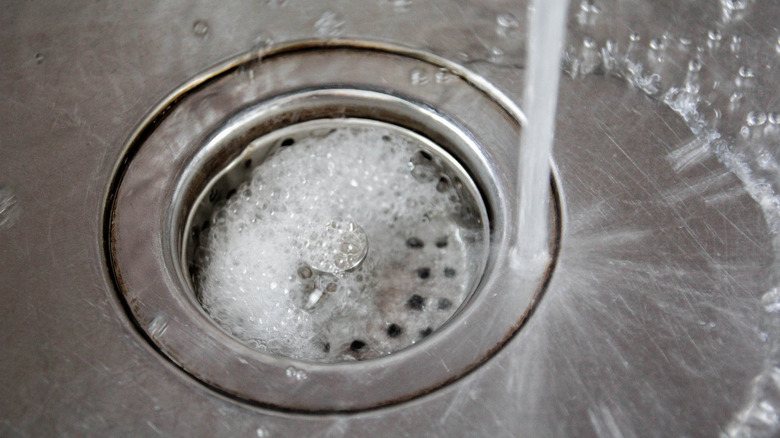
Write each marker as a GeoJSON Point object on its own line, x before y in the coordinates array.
{"type": "Point", "coordinates": [547, 22]}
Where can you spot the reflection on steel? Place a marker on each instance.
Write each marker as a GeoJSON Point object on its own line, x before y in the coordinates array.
{"type": "Point", "coordinates": [9, 208]}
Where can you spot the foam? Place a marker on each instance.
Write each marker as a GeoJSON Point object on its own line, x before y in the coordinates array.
{"type": "Point", "coordinates": [254, 279]}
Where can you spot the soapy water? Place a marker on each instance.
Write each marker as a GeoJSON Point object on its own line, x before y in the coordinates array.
{"type": "Point", "coordinates": [350, 242]}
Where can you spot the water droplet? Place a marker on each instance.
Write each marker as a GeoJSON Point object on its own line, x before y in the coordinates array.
{"type": "Point", "coordinates": [713, 38]}
{"type": "Point", "coordinates": [694, 65]}
{"type": "Point", "coordinates": [200, 29]}
{"type": "Point", "coordinates": [735, 101]}
{"type": "Point", "coordinates": [418, 77]}
{"type": "Point", "coordinates": [777, 47]}
{"type": "Point", "coordinates": [685, 41]}
{"type": "Point", "coordinates": [590, 57]}
{"type": "Point", "coordinates": [771, 300]}
{"type": "Point", "coordinates": [736, 43]}
{"type": "Point", "coordinates": [262, 41]}
{"type": "Point", "coordinates": [746, 72]}
{"type": "Point", "coordinates": [657, 44]}
{"type": "Point", "coordinates": [731, 6]}
{"type": "Point", "coordinates": [773, 118]}
{"type": "Point", "coordinates": [262, 433]}
{"type": "Point", "coordinates": [588, 13]}
{"type": "Point", "coordinates": [635, 37]}
{"type": "Point", "coordinates": [507, 26]}
{"type": "Point", "coordinates": [756, 118]}
{"type": "Point", "coordinates": [714, 35]}
{"type": "Point", "coordinates": [496, 54]}
{"type": "Point", "coordinates": [296, 374]}
{"type": "Point", "coordinates": [39, 58]}
{"type": "Point", "coordinates": [329, 24]}
{"type": "Point", "coordinates": [745, 77]}
{"type": "Point", "coordinates": [442, 76]}
{"type": "Point", "coordinates": [401, 6]}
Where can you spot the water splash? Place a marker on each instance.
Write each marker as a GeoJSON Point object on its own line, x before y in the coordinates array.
{"type": "Point", "coordinates": [719, 96]}
{"type": "Point", "coordinates": [200, 29]}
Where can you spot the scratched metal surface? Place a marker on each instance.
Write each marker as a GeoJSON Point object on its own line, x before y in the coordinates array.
{"type": "Point", "coordinates": [653, 325]}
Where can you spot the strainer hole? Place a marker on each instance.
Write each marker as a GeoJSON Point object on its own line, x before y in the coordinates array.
{"type": "Point", "coordinates": [415, 243]}
{"type": "Point", "coordinates": [416, 302]}
{"type": "Point", "coordinates": [394, 330]}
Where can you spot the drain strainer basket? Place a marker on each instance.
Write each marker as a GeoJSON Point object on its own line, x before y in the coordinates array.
{"type": "Point", "coordinates": [335, 239]}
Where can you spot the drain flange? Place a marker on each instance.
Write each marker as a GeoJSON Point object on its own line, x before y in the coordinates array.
{"type": "Point", "coordinates": [183, 143]}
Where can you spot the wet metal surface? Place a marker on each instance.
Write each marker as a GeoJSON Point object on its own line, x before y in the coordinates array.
{"type": "Point", "coordinates": [653, 324]}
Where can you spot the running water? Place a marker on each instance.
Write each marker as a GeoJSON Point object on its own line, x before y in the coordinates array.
{"type": "Point", "coordinates": [547, 30]}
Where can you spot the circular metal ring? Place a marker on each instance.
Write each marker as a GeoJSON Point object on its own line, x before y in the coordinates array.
{"type": "Point", "coordinates": [294, 83]}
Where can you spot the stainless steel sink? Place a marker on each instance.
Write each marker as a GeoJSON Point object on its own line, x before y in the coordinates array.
{"type": "Point", "coordinates": [658, 319]}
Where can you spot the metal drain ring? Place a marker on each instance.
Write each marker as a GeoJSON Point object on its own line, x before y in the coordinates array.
{"type": "Point", "coordinates": [144, 217]}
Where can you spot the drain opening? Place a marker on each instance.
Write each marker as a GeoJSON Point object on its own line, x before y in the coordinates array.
{"type": "Point", "coordinates": [336, 240]}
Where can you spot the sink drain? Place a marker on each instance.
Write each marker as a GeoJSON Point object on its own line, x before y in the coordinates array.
{"type": "Point", "coordinates": [346, 239]}
{"type": "Point", "coordinates": [314, 230]}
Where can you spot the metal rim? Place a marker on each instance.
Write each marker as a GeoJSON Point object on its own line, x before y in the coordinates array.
{"type": "Point", "coordinates": [140, 260]}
